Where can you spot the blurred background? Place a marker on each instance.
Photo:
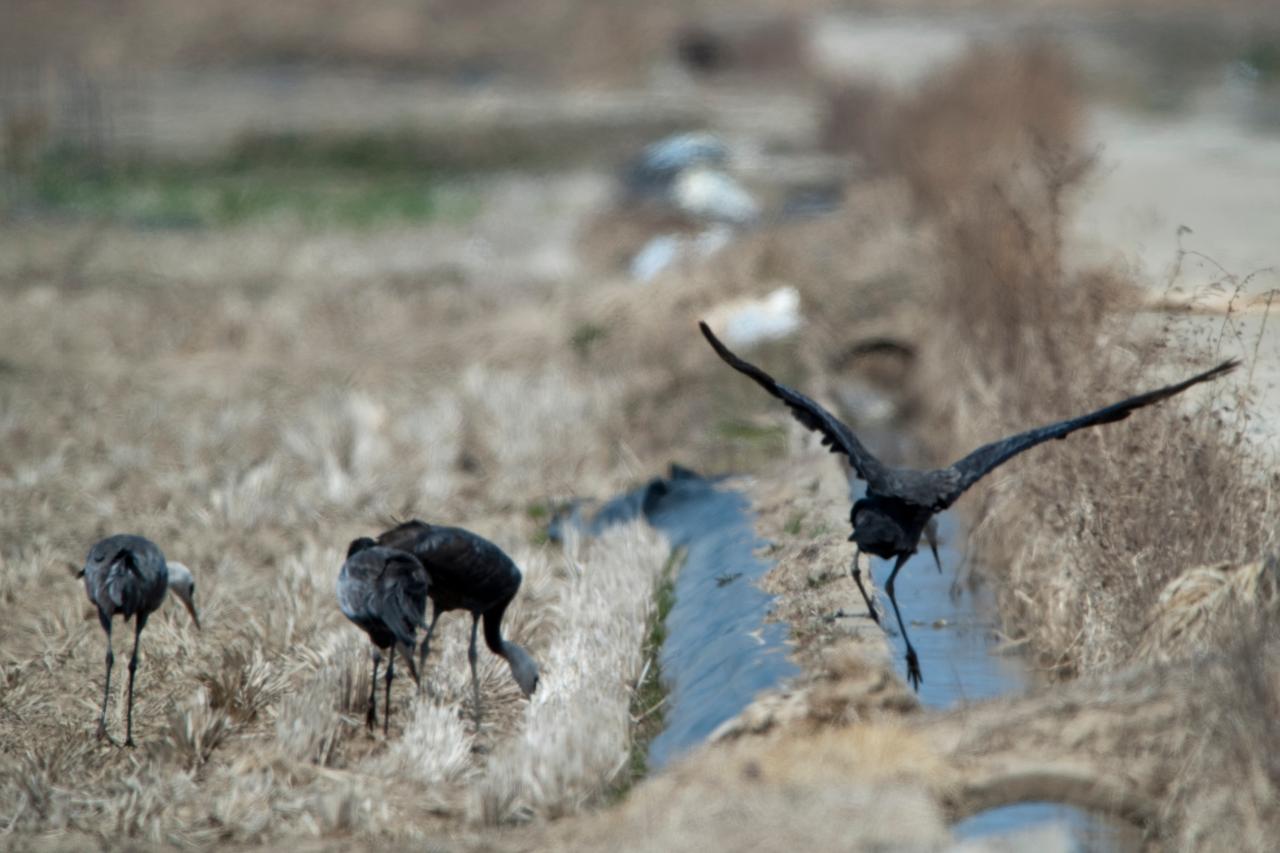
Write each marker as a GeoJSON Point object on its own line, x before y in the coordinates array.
{"type": "Point", "coordinates": [273, 273]}
{"type": "Point", "coordinates": [393, 113]}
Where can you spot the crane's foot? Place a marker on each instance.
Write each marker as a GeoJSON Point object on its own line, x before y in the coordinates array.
{"type": "Point", "coordinates": [913, 670]}
{"type": "Point", "coordinates": [371, 719]}
{"type": "Point", "coordinates": [129, 742]}
{"type": "Point", "coordinates": [103, 734]}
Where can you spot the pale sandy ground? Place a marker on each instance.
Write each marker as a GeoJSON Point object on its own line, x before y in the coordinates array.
{"type": "Point", "coordinates": [1208, 172]}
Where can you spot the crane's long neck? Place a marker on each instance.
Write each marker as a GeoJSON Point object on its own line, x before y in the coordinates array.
{"type": "Point", "coordinates": [493, 630]}
{"type": "Point", "coordinates": [523, 668]}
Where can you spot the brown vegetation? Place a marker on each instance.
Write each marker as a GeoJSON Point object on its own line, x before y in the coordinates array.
{"type": "Point", "coordinates": [252, 399]}
{"type": "Point", "coordinates": [1026, 339]}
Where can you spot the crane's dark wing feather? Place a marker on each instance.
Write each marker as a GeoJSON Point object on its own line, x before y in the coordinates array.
{"type": "Point", "coordinates": [404, 536]}
{"type": "Point", "coordinates": [123, 581]}
{"type": "Point", "coordinates": [466, 570]}
{"type": "Point", "coordinates": [982, 461]}
{"type": "Point", "coordinates": [835, 434]}
{"type": "Point", "coordinates": [402, 595]}
{"type": "Point", "coordinates": [384, 591]}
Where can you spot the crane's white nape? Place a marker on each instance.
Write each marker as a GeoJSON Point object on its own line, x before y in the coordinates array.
{"type": "Point", "coordinates": [523, 668]}
{"type": "Point", "coordinates": [184, 586]}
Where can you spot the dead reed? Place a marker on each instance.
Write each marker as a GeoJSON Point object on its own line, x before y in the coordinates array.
{"type": "Point", "coordinates": [1085, 535]}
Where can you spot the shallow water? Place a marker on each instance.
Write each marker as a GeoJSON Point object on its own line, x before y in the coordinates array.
{"type": "Point", "coordinates": [720, 651]}
{"type": "Point", "coordinates": [953, 636]}
{"type": "Point", "coordinates": [960, 660]}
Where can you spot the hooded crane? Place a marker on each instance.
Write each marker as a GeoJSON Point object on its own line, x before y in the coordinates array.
{"type": "Point", "coordinates": [384, 591]}
{"type": "Point", "coordinates": [900, 502]}
{"type": "Point", "coordinates": [128, 575]}
{"type": "Point", "coordinates": [471, 573]}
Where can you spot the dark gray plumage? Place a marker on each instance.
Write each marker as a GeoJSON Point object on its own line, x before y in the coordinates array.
{"type": "Point", "coordinates": [468, 572]}
{"type": "Point", "coordinates": [384, 591]}
{"type": "Point", "coordinates": [900, 502]}
{"type": "Point", "coordinates": [661, 162]}
{"type": "Point", "coordinates": [128, 575]}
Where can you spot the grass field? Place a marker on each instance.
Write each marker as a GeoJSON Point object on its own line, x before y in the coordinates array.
{"type": "Point", "coordinates": [255, 358]}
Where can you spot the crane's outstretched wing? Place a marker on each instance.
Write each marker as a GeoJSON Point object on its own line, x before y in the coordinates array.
{"type": "Point", "coordinates": [835, 434]}
{"type": "Point", "coordinates": [982, 461]}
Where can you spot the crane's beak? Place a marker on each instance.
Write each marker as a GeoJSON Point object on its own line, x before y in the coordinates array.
{"type": "Point", "coordinates": [191, 608]}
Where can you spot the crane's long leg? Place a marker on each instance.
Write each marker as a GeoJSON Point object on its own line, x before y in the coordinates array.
{"type": "Point", "coordinates": [471, 656]}
{"type": "Point", "coordinates": [931, 535]}
{"type": "Point", "coordinates": [856, 571]}
{"type": "Point", "coordinates": [426, 644]}
{"type": "Point", "coordinates": [371, 716]}
{"type": "Point", "coordinates": [386, 706]}
{"type": "Point", "coordinates": [106, 687]}
{"type": "Point", "coordinates": [140, 622]}
{"type": "Point", "coordinates": [913, 662]}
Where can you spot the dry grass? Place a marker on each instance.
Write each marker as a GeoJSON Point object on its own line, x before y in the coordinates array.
{"type": "Point", "coordinates": [1205, 607]}
{"type": "Point", "coordinates": [252, 403]}
{"type": "Point", "coordinates": [554, 766]}
{"type": "Point", "coordinates": [992, 154]}
{"type": "Point", "coordinates": [253, 430]}
{"type": "Point", "coordinates": [849, 789]}
{"type": "Point", "coordinates": [1226, 795]}
{"type": "Point", "coordinates": [252, 400]}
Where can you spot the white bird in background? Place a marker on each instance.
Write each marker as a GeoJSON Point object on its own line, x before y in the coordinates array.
{"type": "Point", "coordinates": [715, 196]}
{"type": "Point", "coordinates": [687, 172]}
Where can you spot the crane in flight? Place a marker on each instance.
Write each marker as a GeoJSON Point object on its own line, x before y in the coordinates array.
{"type": "Point", "coordinates": [900, 502]}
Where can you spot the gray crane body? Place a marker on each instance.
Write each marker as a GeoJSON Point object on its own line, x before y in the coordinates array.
{"type": "Point", "coordinates": [468, 572]}
{"type": "Point", "coordinates": [128, 575]}
{"type": "Point", "coordinates": [384, 592]}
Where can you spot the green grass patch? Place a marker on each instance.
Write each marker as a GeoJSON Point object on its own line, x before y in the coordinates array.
{"type": "Point", "coordinates": [745, 432]}
{"type": "Point", "coordinates": [1263, 57]}
{"type": "Point", "coordinates": [538, 510]}
{"type": "Point", "coordinates": [794, 522]}
{"type": "Point", "coordinates": [820, 530]}
{"type": "Point", "coordinates": [649, 700]}
{"type": "Point", "coordinates": [347, 190]}
{"type": "Point", "coordinates": [585, 336]}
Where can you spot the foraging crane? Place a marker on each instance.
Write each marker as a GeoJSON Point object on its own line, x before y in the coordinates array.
{"type": "Point", "coordinates": [129, 575]}
{"type": "Point", "coordinates": [900, 502]}
{"type": "Point", "coordinates": [471, 573]}
{"type": "Point", "coordinates": [384, 592]}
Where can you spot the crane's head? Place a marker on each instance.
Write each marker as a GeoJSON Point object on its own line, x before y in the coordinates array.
{"type": "Point", "coordinates": [184, 586]}
{"type": "Point", "coordinates": [858, 506]}
{"type": "Point", "coordinates": [523, 668]}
